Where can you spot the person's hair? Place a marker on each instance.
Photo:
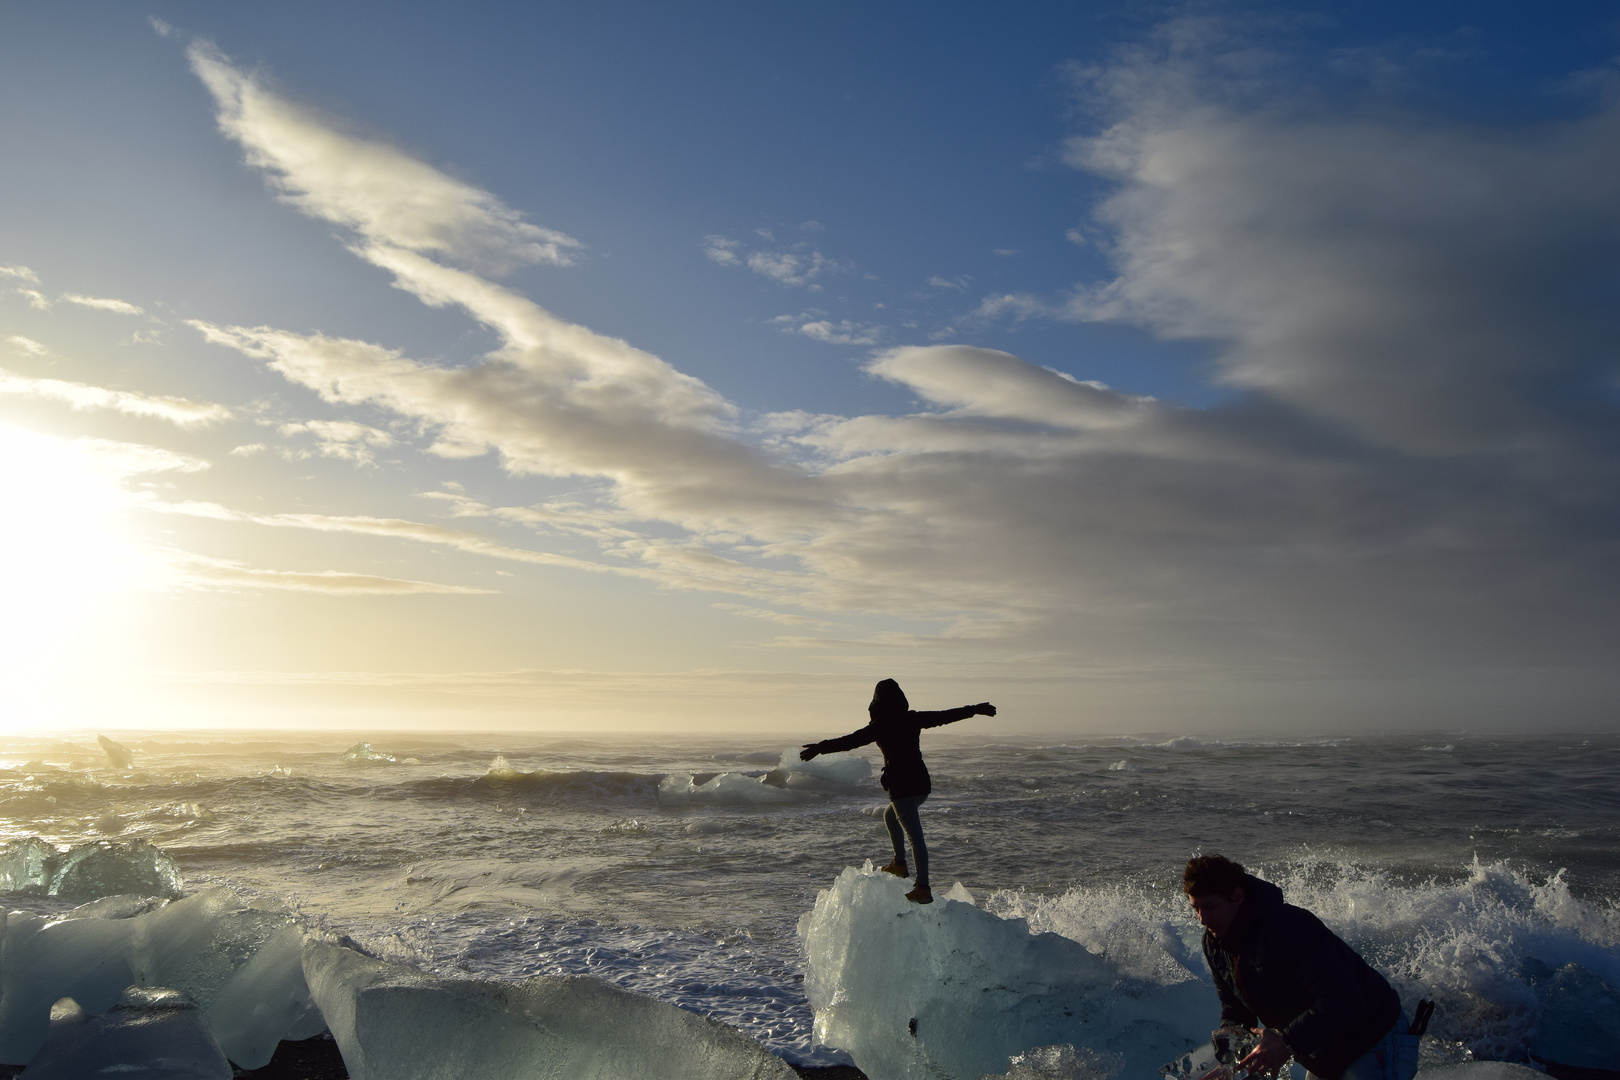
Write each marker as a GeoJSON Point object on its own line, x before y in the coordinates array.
{"type": "Point", "coordinates": [887, 700]}
{"type": "Point", "coordinates": [1212, 875]}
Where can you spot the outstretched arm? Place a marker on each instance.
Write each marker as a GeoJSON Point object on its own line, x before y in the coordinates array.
{"type": "Point", "coordinates": [844, 742]}
{"type": "Point", "coordinates": [951, 716]}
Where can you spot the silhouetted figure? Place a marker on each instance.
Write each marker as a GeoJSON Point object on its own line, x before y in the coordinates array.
{"type": "Point", "coordinates": [1277, 965]}
{"type": "Point", "coordinates": [896, 728]}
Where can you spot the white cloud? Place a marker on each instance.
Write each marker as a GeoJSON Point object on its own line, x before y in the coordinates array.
{"type": "Point", "coordinates": [249, 449]}
{"type": "Point", "coordinates": [176, 410]}
{"type": "Point", "coordinates": [27, 345]}
{"type": "Point", "coordinates": [1312, 523]}
{"type": "Point", "coordinates": [100, 303]}
{"type": "Point", "coordinates": [956, 283]}
{"type": "Point", "coordinates": [36, 299]}
{"type": "Point", "coordinates": [386, 196]}
{"type": "Point", "coordinates": [19, 272]}
{"type": "Point", "coordinates": [814, 325]}
{"type": "Point", "coordinates": [342, 439]}
{"type": "Point", "coordinates": [722, 250]}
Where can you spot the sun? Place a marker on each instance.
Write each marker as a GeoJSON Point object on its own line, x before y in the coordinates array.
{"type": "Point", "coordinates": [64, 550]}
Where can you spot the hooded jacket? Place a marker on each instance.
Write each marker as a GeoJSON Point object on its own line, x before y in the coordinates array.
{"type": "Point", "coordinates": [1279, 966]}
{"type": "Point", "coordinates": [896, 728]}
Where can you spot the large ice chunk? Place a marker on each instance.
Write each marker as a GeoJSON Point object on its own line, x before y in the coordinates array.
{"type": "Point", "coordinates": [394, 1023]}
{"type": "Point", "coordinates": [915, 992]}
{"type": "Point", "coordinates": [158, 1035]}
{"type": "Point", "coordinates": [242, 966]}
{"type": "Point", "coordinates": [27, 865]}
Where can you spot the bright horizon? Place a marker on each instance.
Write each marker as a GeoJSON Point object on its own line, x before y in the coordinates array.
{"type": "Point", "coordinates": [1137, 370]}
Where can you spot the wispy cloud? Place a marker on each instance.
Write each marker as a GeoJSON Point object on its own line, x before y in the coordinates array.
{"type": "Point", "coordinates": [198, 571]}
{"type": "Point", "coordinates": [175, 410]}
{"type": "Point", "coordinates": [816, 326]}
{"type": "Point", "coordinates": [19, 272]}
{"type": "Point", "coordinates": [100, 303]}
{"type": "Point", "coordinates": [385, 195]}
{"type": "Point", "coordinates": [344, 439]}
{"type": "Point", "coordinates": [36, 299]}
{"type": "Point", "coordinates": [1399, 479]}
{"type": "Point", "coordinates": [799, 264]}
{"type": "Point", "coordinates": [26, 345]}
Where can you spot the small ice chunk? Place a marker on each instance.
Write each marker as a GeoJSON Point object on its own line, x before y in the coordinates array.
{"type": "Point", "coordinates": [395, 1023]}
{"type": "Point", "coordinates": [727, 789]}
{"type": "Point", "coordinates": [363, 753]}
{"type": "Point", "coordinates": [1122, 765]}
{"type": "Point", "coordinates": [106, 868]}
{"type": "Point", "coordinates": [156, 1034]}
{"type": "Point", "coordinates": [27, 865]}
{"type": "Point", "coordinates": [1061, 1062]}
{"type": "Point", "coordinates": [120, 755]}
{"type": "Point", "coordinates": [959, 893]}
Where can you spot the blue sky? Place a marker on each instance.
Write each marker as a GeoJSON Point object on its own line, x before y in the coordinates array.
{"type": "Point", "coordinates": [1149, 366]}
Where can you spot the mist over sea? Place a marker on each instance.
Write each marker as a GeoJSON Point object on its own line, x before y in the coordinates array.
{"type": "Point", "coordinates": [1465, 867]}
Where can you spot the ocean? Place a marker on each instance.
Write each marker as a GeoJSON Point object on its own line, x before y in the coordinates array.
{"type": "Point", "coordinates": [1466, 867]}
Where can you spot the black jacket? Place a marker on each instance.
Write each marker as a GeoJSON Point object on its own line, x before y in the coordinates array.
{"type": "Point", "coordinates": [896, 734]}
{"type": "Point", "coordinates": [1278, 965]}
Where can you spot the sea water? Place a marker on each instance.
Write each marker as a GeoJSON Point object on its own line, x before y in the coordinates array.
{"type": "Point", "coordinates": [1482, 871]}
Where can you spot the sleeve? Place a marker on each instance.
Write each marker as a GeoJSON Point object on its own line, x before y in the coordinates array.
{"type": "Point", "coordinates": [943, 717]}
{"type": "Point", "coordinates": [1233, 1012]}
{"type": "Point", "coordinates": [1327, 970]}
{"type": "Point", "coordinates": [847, 742]}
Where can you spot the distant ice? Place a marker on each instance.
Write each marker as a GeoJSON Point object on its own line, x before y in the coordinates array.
{"type": "Point", "coordinates": [121, 756]}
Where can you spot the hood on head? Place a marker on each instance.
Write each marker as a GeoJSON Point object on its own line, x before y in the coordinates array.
{"type": "Point", "coordinates": [888, 700]}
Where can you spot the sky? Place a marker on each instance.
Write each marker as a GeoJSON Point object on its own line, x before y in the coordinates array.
{"type": "Point", "coordinates": [1208, 367]}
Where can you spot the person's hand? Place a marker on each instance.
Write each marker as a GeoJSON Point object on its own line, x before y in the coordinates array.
{"type": "Point", "coordinates": [810, 750]}
{"type": "Point", "coordinates": [1268, 1057]}
{"type": "Point", "coordinates": [984, 708]}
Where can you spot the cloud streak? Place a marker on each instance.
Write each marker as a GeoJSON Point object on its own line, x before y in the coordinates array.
{"type": "Point", "coordinates": [179, 411]}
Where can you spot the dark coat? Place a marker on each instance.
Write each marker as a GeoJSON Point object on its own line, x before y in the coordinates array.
{"type": "Point", "coordinates": [896, 734]}
{"type": "Point", "coordinates": [1278, 965]}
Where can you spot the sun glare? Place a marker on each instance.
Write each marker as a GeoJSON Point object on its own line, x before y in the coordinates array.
{"type": "Point", "coordinates": [63, 551]}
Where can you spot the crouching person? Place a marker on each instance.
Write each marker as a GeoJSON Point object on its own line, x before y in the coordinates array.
{"type": "Point", "coordinates": [1276, 965]}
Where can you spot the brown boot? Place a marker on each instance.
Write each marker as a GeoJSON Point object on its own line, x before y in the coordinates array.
{"type": "Point", "coordinates": [898, 868]}
{"type": "Point", "coordinates": [922, 894]}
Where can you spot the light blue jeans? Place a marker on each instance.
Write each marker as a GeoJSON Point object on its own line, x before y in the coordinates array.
{"type": "Point", "coordinates": [1395, 1057]}
{"type": "Point", "coordinates": [903, 820]}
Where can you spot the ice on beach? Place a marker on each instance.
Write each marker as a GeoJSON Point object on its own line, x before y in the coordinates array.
{"type": "Point", "coordinates": [120, 755]}
{"type": "Point", "coordinates": [396, 1023]}
{"type": "Point", "coordinates": [950, 990]}
{"type": "Point", "coordinates": [88, 871]}
{"type": "Point", "coordinates": [157, 1034]}
{"type": "Point", "coordinates": [241, 966]}
{"type": "Point", "coordinates": [727, 789]}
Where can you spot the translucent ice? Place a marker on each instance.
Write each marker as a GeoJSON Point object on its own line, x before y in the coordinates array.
{"type": "Point", "coordinates": [27, 865]}
{"type": "Point", "coordinates": [727, 789]}
{"type": "Point", "coordinates": [951, 990]}
{"type": "Point", "coordinates": [240, 965]}
{"type": "Point", "coordinates": [395, 1023]}
{"type": "Point", "coordinates": [159, 1035]}
{"type": "Point", "coordinates": [828, 772]}
{"type": "Point", "coordinates": [117, 753]}
{"type": "Point", "coordinates": [105, 868]}
{"type": "Point", "coordinates": [363, 753]}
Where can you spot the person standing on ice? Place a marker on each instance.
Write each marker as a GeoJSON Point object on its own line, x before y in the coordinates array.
{"type": "Point", "coordinates": [896, 729]}
{"type": "Point", "coordinates": [1278, 965]}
